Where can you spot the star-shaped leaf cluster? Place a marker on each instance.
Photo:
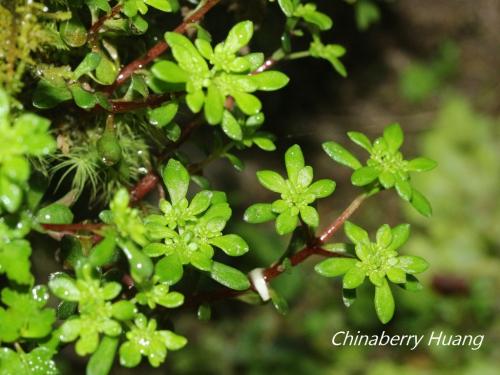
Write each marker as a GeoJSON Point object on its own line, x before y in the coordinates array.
{"type": "Point", "coordinates": [298, 193]}
{"type": "Point", "coordinates": [379, 261]}
{"type": "Point", "coordinates": [25, 314]}
{"type": "Point", "coordinates": [386, 166]}
{"type": "Point", "coordinates": [189, 230]}
{"type": "Point", "coordinates": [144, 339]}
{"type": "Point", "coordinates": [208, 85]}
{"type": "Point", "coordinates": [96, 314]}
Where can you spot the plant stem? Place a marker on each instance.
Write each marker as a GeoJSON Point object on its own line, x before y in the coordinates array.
{"type": "Point", "coordinates": [160, 47]}
{"type": "Point", "coordinates": [337, 224]}
{"type": "Point", "coordinates": [74, 227]}
{"type": "Point", "coordinates": [97, 26]}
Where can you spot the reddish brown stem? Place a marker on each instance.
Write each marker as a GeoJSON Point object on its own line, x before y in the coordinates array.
{"type": "Point", "coordinates": [97, 26]}
{"type": "Point", "coordinates": [337, 224]}
{"type": "Point", "coordinates": [73, 227]}
{"type": "Point", "coordinates": [269, 63]}
{"type": "Point", "coordinates": [152, 101]}
{"type": "Point", "coordinates": [144, 187]}
{"type": "Point", "coordinates": [159, 47]}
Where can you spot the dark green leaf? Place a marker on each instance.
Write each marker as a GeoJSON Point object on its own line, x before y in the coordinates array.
{"type": "Point", "coordinates": [229, 276]}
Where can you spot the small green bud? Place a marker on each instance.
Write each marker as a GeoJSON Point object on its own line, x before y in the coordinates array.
{"type": "Point", "coordinates": [109, 148]}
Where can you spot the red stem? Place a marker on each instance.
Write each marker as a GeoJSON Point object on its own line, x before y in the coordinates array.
{"type": "Point", "coordinates": [73, 227]}
{"type": "Point", "coordinates": [97, 26]}
{"type": "Point", "coordinates": [152, 101]}
{"type": "Point", "coordinates": [159, 47]}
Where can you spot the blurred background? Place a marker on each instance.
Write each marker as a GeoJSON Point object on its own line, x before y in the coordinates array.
{"type": "Point", "coordinates": [434, 67]}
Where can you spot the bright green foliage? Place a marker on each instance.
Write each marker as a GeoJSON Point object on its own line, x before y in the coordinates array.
{"type": "Point", "coordinates": [331, 53]}
{"type": "Point", "coordinates": [96, 314]}
{"type": "Point", "coordinates": [386, 168]}
{"type": "Point", "coordinates": [189, 230]}
{"type": "Point", "coordinates": [208, 87]}
{"type": "Point", "coordinates": [25, 315]}
{"type": "Point", "coordinates": [127, 220]}
{"type": "Point", "coordinates": [37, 362]}
{"type": "Point", "coordinates": [145, 340]}
{"type": "Point", "coordinates": [379, 261]}
{"type": "Point", "coordinates": [298, 192]}
{"type": "Point", "coordinates": [23, 136]}
{"type": "Point", "coordinates": [124, 117]}
{"type": "Point", "coordinates": [132, 7]}
{"type": "Point", "coordinates": [153, 294]}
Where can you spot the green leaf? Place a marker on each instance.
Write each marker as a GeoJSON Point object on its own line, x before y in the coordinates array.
{"type": "Point", "coordinates": [286, 222]}
{"type": "Point", "coordinates": [421, 164]}
{"type": "Point", "coordinates": [321, 188]}
{"type": "Point", "coordinates": [404, 189]}
{"type": "Point", "coordinates": [229, 277]}
{"type": "Point", "coordinates": [123, 310]}
{"type": "Point", "coordinates": [309, 13]}
{"type": "Point", "coordinates": [214, 105]}
{"type": "Point", "coordinates": [141, 266]}
{"type": "Point", "coordinates": [88, 64]}
{"type": "Point", "coordinates": [272, 181]}
{"type": "Point", "coordinates": [341, 155]}
{"type": "Point", "coordinates": [334, 266]}
{"type": "Point", "coordinates": [163, 5]}
{"type": "Point", "coordinates": [239, 36]}
{"type": "Point", "coordinates": [270, 80]}
{"type": "Point", "coordinates": [186, 54]}
{"type": "Point", "coordinates": [387, 179]}
{"type": "Point", "coordinates": [169, 269]}
{"type": "Point", "coordinates": [231, 244]}
{"type": "Point", "coordinates": [264, 143]}
{"type": "Point", "coordinates": [294, 162]}
{"type": "Point", "coordinates": [420, 203]}
{"type": "Point", "coordinates": [55, 213]}
{"type": "Point", "coordinates": [83, 98]}
{"type": "Point", "coordinates": [355, 233]}
{"type": "Point", "coordinates": [14, 261]}
{"type": "Point", "coordinates": [163, 115]}
{"type": "Point", "coordinates": [384, 236]}
{"type": "Point", "coordinates": [104, 252]}
{"type": "Point", "coordinates": [64, 287]}
{"type": "Point", "coordinates": [353, 278]}
{"type": "Point", "coordinates": [412, 264]}
{"type": "Point", "coordinates": [176, 178]}
{"type": "Point", "coordinates": [361, 140]}
{"type": "Point", "coordinates": [169, 71]}
{"type": "Point", "coordinates": [396, 275]}
{"type": "Point", "coordinates": [73, 32]}
{"type": "Point", "coordinates": [231, 127]}
{"type": "Point", "coordinates": [195, 100]}
{"type": "Point", "coordinates": [364, 175]}
{"type": "Point", "coordinates": [394, 137]}
{"type": "Point", "coordinates": [248, 103]}
{"type": "Point", "coordinates": [384, 302]}
{"type": "Point", "coordinates": [102, 359]}
{"type": "Point", "coordinates": [400, 234]}
{"type": "Point", "coordinates": [287, 7]}
{"type": "Point", "coordinates": [200, 202]}
{"type": "Point", "coordinates": [49, 94]}
{"type": "Point", "coordinates": [106, 71]}
{"type": "Point", "coordinates": [310, 216]}
{"type": "Point", "coordinates": [259, 213]}
{"type": "Point", "coordinates": [279, 302]}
